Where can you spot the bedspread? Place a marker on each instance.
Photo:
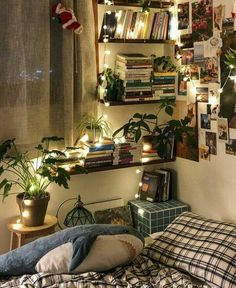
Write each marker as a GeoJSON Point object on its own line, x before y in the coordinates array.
{"type": "Point", "coordinates": [142, 272]}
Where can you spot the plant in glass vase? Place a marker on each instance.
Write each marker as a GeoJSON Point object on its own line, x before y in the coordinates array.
{"type": "Point", "coordinates": [32, 177]}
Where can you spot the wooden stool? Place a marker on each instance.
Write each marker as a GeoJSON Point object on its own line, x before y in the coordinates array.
{"type": "Point", "coordinates": [19, 232]}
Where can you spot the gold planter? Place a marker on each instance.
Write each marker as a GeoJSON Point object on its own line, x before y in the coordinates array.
{"type": "Point", "coordinates": [32, 211]}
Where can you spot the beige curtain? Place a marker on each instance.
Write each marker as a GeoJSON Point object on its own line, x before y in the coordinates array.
{"type": "Point", "coordinates": [38, 90]}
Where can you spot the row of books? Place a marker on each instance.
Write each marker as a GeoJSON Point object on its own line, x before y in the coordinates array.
{"type": "Point", "coordinates": [135, 70]}
{"type": "Point", "coordinates": [156, 185]}
{"type": "Point", "coordinates": [128, 152]}
{"type": "Point", "coordinates": [129, 24]}
{"type": "Point", "coordinates": [163, 85]}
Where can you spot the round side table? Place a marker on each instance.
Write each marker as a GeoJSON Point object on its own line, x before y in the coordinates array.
{"type": "Point", "coordinates": [19, 232]}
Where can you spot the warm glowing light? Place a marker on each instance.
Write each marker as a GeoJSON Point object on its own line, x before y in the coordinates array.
{"type": "Point", "coordinates": [25, 214]}
{"type": "Point", "coordinates": [231, 66]}
{"type": "Point", "coordinates": [140, 211]}
{"type": "Point", "coordinates": [17, 226]}
{"type": "Point", "coordinates": [116, 140]}
{"type": "Point", "coordinates": [98, 144]}
{"type": "Point", "coordinates": [107, 52]}
{"type": "Point", "coordinates": [104, 26]}
{"type": "Point", "coordinates": [108, 12]}
{"type": "Point", "coordinates": [138, 171]}
{"type": "Point", "coordinates": [147, 147]}
{"type": "Point", "coordinates": [231, 77]}
{"type": "Point", "coordinates": [220, 90]}
{"type": "Point", "coordinates": [18, 221]}
{"type": "Point", "coordinates": [84, 138]}
{"type": "Point", "coordinates": [105, 40]}
{"type": "Point", "coordinates": [103, 78]}
{"type": "Point", "coordinates": [140, 184]}
{"type": "Point", "coordinates": [107, 104]}
{"type": "Point", "coordinates": [185, 78]}
{"type": "Point", "coordinates": [136, 196]}
{"type": "Point", "coordinates": [118, 14]}
{"type": "Point", "coordinates": [105, 66]}
{"type": "Point", "coordinates": [105, 116]}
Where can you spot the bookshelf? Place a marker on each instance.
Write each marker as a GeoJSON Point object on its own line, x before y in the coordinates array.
{"type": "Point", "coordinates": [153, 4]}
{"type": "Point", "coordinates": [123, 166]}
{"type": "Point", "coordinates": [139, 41]}
{"type": "Point", "coordinates": [122, 103]}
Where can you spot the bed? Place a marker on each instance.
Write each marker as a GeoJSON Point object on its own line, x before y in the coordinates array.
{"type": "Point", "coordinates": [192, 252]}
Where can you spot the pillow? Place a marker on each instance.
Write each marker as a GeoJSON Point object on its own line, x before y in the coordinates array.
{"type": "Point", "coordinates": [23, 260]}
{"type": "Point", "coordinates": [202, 247]}
{"type": "Point", "coordinates": [107, 252]}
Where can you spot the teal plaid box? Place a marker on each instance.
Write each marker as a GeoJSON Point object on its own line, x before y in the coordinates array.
{"type": "Point", "coordinates": [151, 217]}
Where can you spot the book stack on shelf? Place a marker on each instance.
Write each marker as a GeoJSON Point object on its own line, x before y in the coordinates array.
{"type": "Point", "coordinates": [129, 24]}
{"type": "Point", "coordinates": [135, 70]}
{"type": "Point", "coordinates": [164, 86]}
{"type": "Point", "coordinates": [126, 153]}
{"type": "Point", "coordinates": [156, 185]}
{"type": "Point", "coordinates": [99, 155]}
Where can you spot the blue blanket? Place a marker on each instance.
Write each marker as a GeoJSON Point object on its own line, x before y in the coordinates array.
{"type": "Point", "coordinates": [23, 260]}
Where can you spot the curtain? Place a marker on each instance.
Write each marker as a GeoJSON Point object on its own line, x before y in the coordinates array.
{"type": "Point", "coordinates": [39, 95]}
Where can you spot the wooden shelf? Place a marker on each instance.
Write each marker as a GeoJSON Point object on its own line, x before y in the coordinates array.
{"type": "Point", "coordinates": [153, 4]}
{"type": "Point", "coordinates": [122, 103]}
{"type": "Point", "coordinates": [115, 167]}
{"type": "Point", "coordinates": [140, 41]}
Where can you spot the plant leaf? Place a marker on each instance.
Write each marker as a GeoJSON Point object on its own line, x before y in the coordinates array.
{"type": "Point", "coordinates": [7, 188]}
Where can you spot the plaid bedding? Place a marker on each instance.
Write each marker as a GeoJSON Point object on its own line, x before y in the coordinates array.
{"type": "Point", "coordinates": [201, 247]}
{"type": "Point", "coordinates": [143, 272]}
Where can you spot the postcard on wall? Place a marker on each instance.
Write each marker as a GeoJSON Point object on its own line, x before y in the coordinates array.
{"type": "Point", "coordinates": [186, 40]}
{"type": "Point", "coordinates": [209, 72]}
{"type": "Point", "coordinates": [198, 51]}
{"type": "Point", "coordinates": [202, 93]}
{"type": "Point", "coordinates": [202, 20]}
{"type": "Point", "coordinates": [194, 72]}
{"type": "Point", "coordinates": [222, 128]}
{"type": "Point", "coordinates": [214, 95]}
{"type": "Point", "coordinates": [182, 84]}
{"type": "Point", "coordinates": [211, 142]}
{"type": "Point", "coordinates": [215, 110]}
{"type": "Point", "coordinates": [205, 121]}
{"type": "Point", "coordinates": [230, 147]}
{"type": "Point", "coordinates": [183, 18]}
{"type": "Point", "coordinates": [219, 15]}
{"type": "Point", "coordinates": [212, 46]}
{"type": "Point", "coordinates": [204, 152]}
{"type": "Point", "coordinates": [191, 92]}
{"type": "Point", "coordinates": [187, 56]}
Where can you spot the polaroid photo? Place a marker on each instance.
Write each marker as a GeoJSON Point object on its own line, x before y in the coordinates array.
{"type": "Point", "coordinates": [209, 70]}
{"type": "Point", "coordinates": [202, 93]}
{"type": "Point", "coordinates": [211, 142]}
{"type": "Point", "coordinates": [205, 121]}
{"type": "Point", "coordinates": [187, 56]}
{"type": "Point", "coordinates": [204, 152]}
{"type": "Point", "coordinates": [230, 147]}
{"type": "Point", "coordinates": [198, 52]}
{"type": "Point", "coordinates": [222, 128]}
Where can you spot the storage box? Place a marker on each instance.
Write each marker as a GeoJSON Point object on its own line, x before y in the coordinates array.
{"type": "Point", "coordinates": [151, 217]}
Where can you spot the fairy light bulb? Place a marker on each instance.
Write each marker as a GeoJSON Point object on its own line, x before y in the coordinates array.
{"type": "Point", "coordinates": [103, 78]}
{"type": "Point", "coordinates": [105, 40]}
{"type": "Point", "coordinates": [185, 78]}
{"type": "Point", "coordinates": [108, 12]}
{"type": "Point", "coordinates": [220, 90]}
{"type": "Point", "coordinates": [231, 66]}
{"type": "Point", "coordinates": [231, 77]}
{"type": "Point", "coordinates": [136, 196]}
{"type": "Point", "coordinates": [138, 171]}
{"type": "Point", "coordinates": [140, 184]}
{"type": "Point", "coordinates": [107, 104]}
{"type": "Point", "coordinates": [105, 66]}
{"type": "Point", "coordinates": [105, 116]}
{"type": "Point", "coordinates": [107, 52]}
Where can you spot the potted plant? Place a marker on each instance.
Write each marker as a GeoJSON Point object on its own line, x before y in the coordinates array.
{"type": "Point", "coordinates": [32, 176]}
{"type": "Point", "coordinates": [94, 128]}
{"type": "Point", "coordinates": [162, 135]}
{"type": "Point", "coordinates": [163, 64]}
{"type": "Point", "coordinates": [112, 84]}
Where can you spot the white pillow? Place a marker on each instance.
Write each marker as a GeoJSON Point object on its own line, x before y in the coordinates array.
{"type": "Point", "coordinates": [107, 252]}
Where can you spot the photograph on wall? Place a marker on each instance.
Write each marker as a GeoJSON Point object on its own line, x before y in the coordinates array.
{"type": "Point", "coordinates": [222, 128]}
{"type": "Point", "coordinates": [187, 56]}
{"type": "Point", "coordinates": [202, 94]}
{"type": "Point", "coordinates": [230, 147]}
{"type": "Point", "coordinates": [194, 72]}
{"type": "Point", "coordinates": [211, 142]}
{"type": "Point", "coordinates": [215, 110]}
{"type": "Point", "coordinates": [214, 95]}
{"type": "Point", "coordinates": [205, 121]}
{"type": "Point", "coordinates": [204, 152]}
{"type": "Point", "coordinates": [198, 51]}
{"type": "Point", "coordinates": [186, 41]}
{"type": "Point", "coordinates": [202, 20]}
{"type": "Point", "coordinates": [212, 46]}
{"type": "Point", "coordinates": [219, 15]}
{"type": "Point", "coordinates": [183, 16]}
{"type": "Point", "coordinates": [182, 85]}
{"type": "Point", "coordinates": [209, 70]}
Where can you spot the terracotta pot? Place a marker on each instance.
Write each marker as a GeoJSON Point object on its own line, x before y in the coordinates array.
{"type": "Point", "coordinates": [32, 211]}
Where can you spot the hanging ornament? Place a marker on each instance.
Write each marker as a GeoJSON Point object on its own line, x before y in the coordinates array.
{"type": "Point", "coordinates": [66, 18]}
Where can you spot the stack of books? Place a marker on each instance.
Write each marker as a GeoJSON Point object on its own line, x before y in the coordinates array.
{"type": "Point", "coordinates": [164, 86]}
{"type": "Point", "coordinates": [99, 155]}
{"type": "Point", "coordinates": [128, 152]}
{"type": "Point", "coordinates": [135, 70]}
{"type": "Point", "coordinates": [129, 24]}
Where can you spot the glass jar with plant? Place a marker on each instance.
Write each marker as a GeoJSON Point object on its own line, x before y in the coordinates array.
{"type": "Point", "coordinates": [94, 128]}
{"type": "Point", "coordinates": [33, 177]}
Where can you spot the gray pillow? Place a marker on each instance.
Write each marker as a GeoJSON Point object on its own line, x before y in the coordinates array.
{"type": "Point", "coordinates": [23, 260]}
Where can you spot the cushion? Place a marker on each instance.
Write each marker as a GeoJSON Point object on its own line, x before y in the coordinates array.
{"type": "Point", "coordinates": [23, 260]}
{"type": "Point", "coordinates": [202, 247]}
{"type": "Point", "coordinates": [107, 252]}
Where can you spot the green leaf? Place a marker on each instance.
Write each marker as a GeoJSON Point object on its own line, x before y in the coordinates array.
{"type": "Point", "coordinates": [4, 147]}
{"type": "Point", "coordinates": [137, 135]}
{"type": "Point", "coordinates": [52, 138]}
{"type": "Point", "coordinates": [80, 169]}
{"type": "Point", "coordinates": [138, 115]}
{"type": "Point", "coordinates": [169, 110]}
{"type": "Point", "coordinates": [7, 188]}
{"type": "Point", "coordinates": [150, 117]}
{"type": "Point", "coordinates": [1, 170]}
{"type": "Point", "coordinates": [3, 183]}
